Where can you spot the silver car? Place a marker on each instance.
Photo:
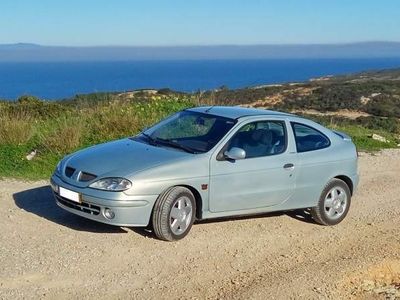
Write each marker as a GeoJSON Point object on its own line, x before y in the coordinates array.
{"type": "Point", "coordinates": [211, 162]}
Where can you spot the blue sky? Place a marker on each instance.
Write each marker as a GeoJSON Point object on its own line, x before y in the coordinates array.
{"type": "Point", "coordinates": [197, 22]}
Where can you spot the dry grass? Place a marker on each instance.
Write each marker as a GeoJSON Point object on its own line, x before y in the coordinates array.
{"type": "Point", "coordinates": [65, 137]}
{"type": "Point", "coordinates": [16, 130]}
{"type": "Point", "coordinates": [111, 123]}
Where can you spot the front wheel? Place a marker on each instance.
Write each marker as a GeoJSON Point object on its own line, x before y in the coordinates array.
{"type": "Point", "coordinates": [174, 214]}
{"type": "Point", "coordinates": [333, 204]}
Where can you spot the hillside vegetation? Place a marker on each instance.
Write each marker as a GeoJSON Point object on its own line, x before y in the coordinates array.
{"type": "Point", "coordinates": [54, 128]}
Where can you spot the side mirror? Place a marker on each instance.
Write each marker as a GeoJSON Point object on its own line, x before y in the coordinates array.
{"type": "Point", "coordinates": [235, 153]}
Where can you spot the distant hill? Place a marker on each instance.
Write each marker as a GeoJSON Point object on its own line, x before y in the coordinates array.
{"type": "Point", "coordinates": [33, 52]}
{"type": "Point", "coordinates": [19, 46]}
{"type": "Point", "coordinates": [374, 93]}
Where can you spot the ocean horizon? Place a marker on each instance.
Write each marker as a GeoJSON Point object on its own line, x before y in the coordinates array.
{"type": "Point", "coordinates": [62, 80]}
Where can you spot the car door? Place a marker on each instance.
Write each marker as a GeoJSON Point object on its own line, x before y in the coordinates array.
{"type": "Point", "coordinates": [265, 177]}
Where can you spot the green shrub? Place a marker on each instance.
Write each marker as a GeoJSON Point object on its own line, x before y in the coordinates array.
{"type": "Point", "coordinates": [27, 99]}
{"type": "Point", "coordinates": [387, 106]}
{"type": "Point", "coordinates": [33, 107]}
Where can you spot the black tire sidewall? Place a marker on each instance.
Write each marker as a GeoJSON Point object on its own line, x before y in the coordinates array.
{"type": "Point", "coordinates": [162, 213]}
{"type": "Point", "coordinates": [321, 204]}
{"type": "Point", "coordinates": [189, 195]}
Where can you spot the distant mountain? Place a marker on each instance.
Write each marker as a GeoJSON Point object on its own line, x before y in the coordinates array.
{"type": "Point", "coordinates": [33, 52]}
{"type": "Point", "coordinates": [18, 46]}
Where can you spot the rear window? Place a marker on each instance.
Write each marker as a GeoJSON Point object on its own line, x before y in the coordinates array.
{"type": "Point", "coordinates": [308, 138]}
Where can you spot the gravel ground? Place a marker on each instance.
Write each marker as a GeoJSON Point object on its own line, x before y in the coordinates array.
{"type": "Point", "coordinates": [48, 253]}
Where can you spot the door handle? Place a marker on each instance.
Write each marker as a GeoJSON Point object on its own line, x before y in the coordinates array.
{"type": "Point", "coordinates": [288, 166]}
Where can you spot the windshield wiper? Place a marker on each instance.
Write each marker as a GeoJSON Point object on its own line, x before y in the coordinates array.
{"type": "Point", "coordinates": [166, 142]}
{"type": "Point", "coordinates": [152, 141]}
{"type": "Point", "coordinates": [175, 145]}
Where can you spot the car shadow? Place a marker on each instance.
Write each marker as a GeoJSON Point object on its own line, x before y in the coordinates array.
{"type": "Point", "coordinates": [302, 215]}
{"type": "Point", "coordinates": [40, 201]}
{"type": "Point", "coordinates": [236, 218]}
{"type": "Point", "coordinates": [146, 232]}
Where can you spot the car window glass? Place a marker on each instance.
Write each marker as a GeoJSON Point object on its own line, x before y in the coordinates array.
{"type": "Point", "coordinates": [186, 126]}
{"type": "Point", "coordinates": [261, 138]}
{"type": "Point", "coordinates": [308, 138]}
{"type": "Point", "coordinates": [198, 132]}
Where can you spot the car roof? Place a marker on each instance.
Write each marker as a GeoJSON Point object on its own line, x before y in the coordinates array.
{"type": "Point", "coordinates": [236, 112]}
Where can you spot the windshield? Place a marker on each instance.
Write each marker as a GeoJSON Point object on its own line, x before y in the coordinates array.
{"type": "Point", "coordinates": [190, 131]}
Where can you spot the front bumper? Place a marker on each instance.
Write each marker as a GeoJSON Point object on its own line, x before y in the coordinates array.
{"type": "Point", "coordinates": [128, 210]}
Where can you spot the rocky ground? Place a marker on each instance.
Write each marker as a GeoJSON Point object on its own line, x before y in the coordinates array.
{"type": "Point", "coordinates": [48, 253]}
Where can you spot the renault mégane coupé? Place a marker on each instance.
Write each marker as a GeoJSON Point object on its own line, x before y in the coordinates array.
{"type": "Point", "coordinates": [210, 162]}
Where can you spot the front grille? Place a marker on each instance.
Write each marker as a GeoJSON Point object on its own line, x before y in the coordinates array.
{"type": "Point", "coordinates": [81, 176]}
{"type": "Point", "coordinates": [86, 177]}
{"type": "Point", "coordinates": [83, 206]}
{"type": "Point", "coordinates": [69, 171]}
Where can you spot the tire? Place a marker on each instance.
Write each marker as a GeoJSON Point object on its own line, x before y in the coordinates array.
{"type": "Point", "coordinates": [174, 213]}
{"type": "Point", "coordinates": [334, 203]}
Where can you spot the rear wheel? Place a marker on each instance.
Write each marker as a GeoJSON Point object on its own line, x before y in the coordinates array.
{"type": "Point", "coordinates": [333, 204]}
{"type": "Point", "coordinates": [174, 214]}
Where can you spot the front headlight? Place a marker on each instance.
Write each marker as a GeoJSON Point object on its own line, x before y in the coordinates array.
{"type": "Point", "coordinates": [112, 184]}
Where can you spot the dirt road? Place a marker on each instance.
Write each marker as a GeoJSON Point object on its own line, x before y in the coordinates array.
{"type": "Point", "coordinates": [48, 253]}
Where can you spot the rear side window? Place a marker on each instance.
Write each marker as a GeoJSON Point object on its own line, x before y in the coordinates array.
{"type": "Point", "coordinates": [308, 138]}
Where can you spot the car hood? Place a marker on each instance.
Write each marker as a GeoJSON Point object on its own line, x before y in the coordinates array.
{"type": "Point", "coordinates": [121, 158]}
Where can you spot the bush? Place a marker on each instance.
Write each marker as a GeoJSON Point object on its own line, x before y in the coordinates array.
{"type": "Point", "coordinates": [27, 99]}
{"type": "Point", "coordinates": [391, 125]}
{"type": "Point", "coordinates": [33, 107]}
{"type": "Point", "coordinates": [16, 130]}
{"type": "Point", "coordinates": [387, 106]}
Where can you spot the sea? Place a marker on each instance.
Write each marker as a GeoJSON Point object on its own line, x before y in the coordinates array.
{"type": "Point", "coordinates": [63, 80]}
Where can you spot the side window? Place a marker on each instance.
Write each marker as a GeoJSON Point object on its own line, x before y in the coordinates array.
{"type": "Point", "coordinates": [308, 138]}
{"type": "Point", "coordinates": [261, 138]}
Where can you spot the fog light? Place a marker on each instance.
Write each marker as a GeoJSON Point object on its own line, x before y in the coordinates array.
{"type": "Point", "coordinates": [109, 214]}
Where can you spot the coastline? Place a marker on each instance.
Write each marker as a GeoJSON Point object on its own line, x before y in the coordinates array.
{"type": "Point", "coordinates": [63, 80]}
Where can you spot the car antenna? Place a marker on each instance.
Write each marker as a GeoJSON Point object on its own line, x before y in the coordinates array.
{"type": "Point", "coordinates": [208, 109]}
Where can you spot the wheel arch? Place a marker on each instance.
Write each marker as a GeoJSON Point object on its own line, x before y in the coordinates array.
{"type": "Point", "coordinates": [198, 199]}
{"type": "Point", "coordinates": [348, 181]}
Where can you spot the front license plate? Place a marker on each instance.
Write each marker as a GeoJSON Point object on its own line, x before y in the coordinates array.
{"type": "Point", "coordinates": [71, 195]}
